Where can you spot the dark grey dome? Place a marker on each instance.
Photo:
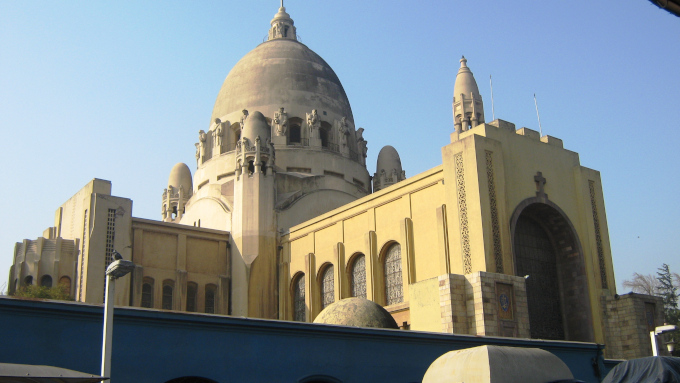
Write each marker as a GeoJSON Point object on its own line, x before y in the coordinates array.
{"type": "Point", "coordinates": [282, 72]}
{"type": "Point", "coordinates": [356, 312]}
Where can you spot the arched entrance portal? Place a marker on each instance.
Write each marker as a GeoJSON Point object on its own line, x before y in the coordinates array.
{"type": "Point", "coordinates": [547, 249]}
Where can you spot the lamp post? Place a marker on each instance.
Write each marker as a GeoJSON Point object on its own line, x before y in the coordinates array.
{"type": "Point", "coordinates": [658, 331]}
{"type": "Point", "coordinates": [116, 269]}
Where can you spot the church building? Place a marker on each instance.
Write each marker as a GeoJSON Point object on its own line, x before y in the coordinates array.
{"type": "Point", "coordinates": [281, 218]}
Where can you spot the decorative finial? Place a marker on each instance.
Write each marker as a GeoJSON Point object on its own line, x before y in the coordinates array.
{"type": "Point", "coordinates": [463, 62]}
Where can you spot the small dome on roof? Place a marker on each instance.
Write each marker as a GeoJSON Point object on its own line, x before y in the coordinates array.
{"type": "Point", "coordinates": [388, 159]}
{"type": "Point", "coordinates": [356, 312]}
{"type": "Point", "coordinates": [465, 82]}
{"type": "Point", "coordinates": [180, 175]}
{"type": "Point", "coordinates": [256, 125]}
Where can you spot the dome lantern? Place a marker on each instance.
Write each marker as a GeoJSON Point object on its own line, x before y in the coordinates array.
{"type": "Point", "coordinates": [282, 26]}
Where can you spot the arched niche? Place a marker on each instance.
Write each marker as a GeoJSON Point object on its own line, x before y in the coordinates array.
{"type": "Point", "coordinates": [546, 247]}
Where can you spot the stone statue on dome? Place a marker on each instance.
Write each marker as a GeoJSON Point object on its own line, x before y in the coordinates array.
{"type": "Point", "coordinates": [361, 145]}
{"type": "Point", "coordinates": [313, 123]}
{"type": "Point", "coordinates": [343, 130]}
{"type": "Point", "coordinates": [243, 118]}
{"type": "Point", "coordinates": [218, 133]}
{"type": "Point", "coordinates": [281, 122]}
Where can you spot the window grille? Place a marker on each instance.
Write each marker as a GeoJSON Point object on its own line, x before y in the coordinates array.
{"type": "Point", "coordinates": [394, 292]}
{"type": "Point", "coordinates": [82, 258]}
{"type": "Point", "coordinates": [327, 287]}
{"type": "Point", "coordinates": [358, 285]}
{"type": "Point", "coordinates": [210, 300]}
{"type": "Point", "coordinates": [299, 307]}
{"type": "Point", "coordinates": [191, 297]}
{"type": "Point", "coordinates": [110, 236]}
{"type": "Point", "coordinates": [167, 297]}
{"type": "Point", "coordinates": [147, 295]}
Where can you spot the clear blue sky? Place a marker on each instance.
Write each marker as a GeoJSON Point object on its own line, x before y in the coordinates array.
{"type": "Point", "coordinates": [118, 90]}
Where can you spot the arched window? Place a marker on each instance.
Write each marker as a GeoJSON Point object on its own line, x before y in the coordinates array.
{"type": "Point", "coordinates": [192, 290]}
{"type": "Point", "coordinates": [28, 280]}
{"type": "Point", "coordinates": [295, 130]}
{"type": "Point", "coordinates": [167, 295]}
{"type": "Point", "coordinates": [394, 292]}
{"type": "Point", "coordinates": [46, 281]}
{"type": "Point", "coordinates": [324, 134]}
{"type": "Point", "coordinates": [358, 277]}
{"type": "Point", "coordinates": [299, 306]}
{"type": "Point", "coordinates": [65, 284]}
{"type": "Point", "coordinates": [210, 298]}
{"type": "Point", "coordinates": [327, 287]}
{"type": "Point", "coordinates": [147, 293]}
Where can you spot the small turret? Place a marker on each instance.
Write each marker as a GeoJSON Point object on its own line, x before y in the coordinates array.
{"type": "Point", "coordinates": [468, 108]}
{"type": "Point", "coordinates": [388, 169]}
{"type": "Point", "coordinates": [254, 152]}
{"type": "Point", "coordinates": [175, 197]}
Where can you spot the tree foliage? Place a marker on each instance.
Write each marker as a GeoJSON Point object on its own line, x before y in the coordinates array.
{"type": "Point", "coordinates": [642, 284]}
{"type": "Point", "coordinates": [59, 292]}
{"type": "Point", "coordinates": [669, 292]}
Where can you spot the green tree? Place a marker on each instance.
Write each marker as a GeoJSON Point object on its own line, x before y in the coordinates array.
{"type": "Point", "coordinates": [669, 292]}
{"type": "Point", "coordinates": [59, 292]}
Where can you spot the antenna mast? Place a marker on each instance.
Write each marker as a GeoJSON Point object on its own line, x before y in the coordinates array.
{"type": "Point", "coordinates": [493, 114]}
{"type": "Point", "coordinates": [540, 130]}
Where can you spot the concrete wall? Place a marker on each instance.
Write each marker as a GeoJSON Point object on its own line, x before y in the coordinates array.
{"type": "Point", "coordinates": [153, 346]}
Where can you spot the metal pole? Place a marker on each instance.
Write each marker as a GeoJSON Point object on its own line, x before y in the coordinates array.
{"type": "Point", "coordinates": [108, 327]}
{"type": "Point", "coordinates": [540, 130]}
{"type": "Point", "coordinates": [493, 113]}
{"type": "Point", "coordinates": [654, 347]}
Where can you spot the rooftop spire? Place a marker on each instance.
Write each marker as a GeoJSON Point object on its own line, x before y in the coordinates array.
{"type": "Point", "coordinates": [468, 109]}
{"type": "Point", "coordinates": [282, 26]}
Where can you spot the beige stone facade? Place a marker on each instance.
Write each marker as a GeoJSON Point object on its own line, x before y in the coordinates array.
{"type": "Point", "coordinates": [507, 237]}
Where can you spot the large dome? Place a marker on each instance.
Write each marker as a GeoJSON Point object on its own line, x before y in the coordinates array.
{"type": "Point", "coordinates": [282, 73]}
{"type": "Point", "coordinates": [356, 312]}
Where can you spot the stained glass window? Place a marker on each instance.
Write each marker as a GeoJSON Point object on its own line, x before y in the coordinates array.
{"type": "Point", "coordinates": [327, 287]}
{"type": "Point", "coordinates": [147, 294]}
{"type": "Point", "coordinates": [358, 284]}
{"type": "Point", "coordinates": [394, 292]}
{"type": "Point", "coordinates": [299, 307]}
{"type": "Point", "coordinates": [167, 297]}
{"type": "Point", "coordinates": [210, 299]}
{"type": "Point", "coordinates": [192, 290]}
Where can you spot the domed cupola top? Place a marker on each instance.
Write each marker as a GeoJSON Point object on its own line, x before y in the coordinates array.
{"type": "Point", "coordinates": [256, 126]}
{"type": "Point", "coordinates": [180, 176]}
{"type": "Point", "coordinates": [465, 82]}
{"type": "Point", "coordinates": [283, 26]}
{"type": "Point", "coordinates": [468, 108]}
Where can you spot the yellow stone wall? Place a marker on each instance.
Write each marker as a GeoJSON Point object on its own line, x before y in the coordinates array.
{"type": "Point", "coordinates": [169, 253]}
{"type": "Point", "coordinates": [453, 219]}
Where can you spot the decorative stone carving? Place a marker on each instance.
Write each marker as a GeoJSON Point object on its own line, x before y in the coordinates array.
{"type": "Point", "coordinates": [219, 131]}
{"type": "Point", "coordinates": [202, 138]}
{"type": "Point", "coordinates": [314, 123]}
{"type": "Point", "coordinates": [243, 118]}
{"type": "Point", "coordinates": [361, 145]}
{"type": "Point", "coordinates": [343, 131]}
{"type": "Point", "coordinates": [198, 153]}
{"type": "Point", "coordinates": [281, 122]}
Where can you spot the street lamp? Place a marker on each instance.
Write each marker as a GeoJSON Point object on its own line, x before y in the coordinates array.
{"type": "Point", "coordinates": [116, 269]}
{"type": "Point", "coordinates": [658, 331]}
